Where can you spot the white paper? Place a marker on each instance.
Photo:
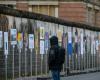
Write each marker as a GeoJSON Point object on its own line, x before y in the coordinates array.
{"type": "Point", "coordinates": [20, 40]}
{"type": "Point", "coordinates": [81, 43]}
{"type": "Point", "coordinates": [92, 44]}
{"type": "Point", "coordinates": [69, 37]}
{"type": "Point", "coordinates": [13, 36]}
{"type": "Point", "coordinates": [1, 39]}
{"type": "Point", "coordinates": [41, 32]}
{"type": "Point", "coordinates": [6, 43]}
{"type": "Point", "coordinates": [97, 45]}
{"type": "Point", "coordinates": [94, 47]}
{"type": "Point", "coordinates": [41, 47]}
{"type": "Point", "coordinates": [31, 41]}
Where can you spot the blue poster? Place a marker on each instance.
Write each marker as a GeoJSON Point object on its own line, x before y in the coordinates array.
{"type": "Point", "coordinates": [13, 36]}
{"type": "Point", "coordinates": [46, 40]}
{"type": "Point", "coordinates": [69, 49]}
{"type": "Point", "coordinates": [6, 43]}
{"type": "Point", "coordinates": [69, 45]}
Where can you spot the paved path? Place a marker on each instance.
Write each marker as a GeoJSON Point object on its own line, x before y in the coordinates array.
{"type": "Point", "coordinates": [89, 76]}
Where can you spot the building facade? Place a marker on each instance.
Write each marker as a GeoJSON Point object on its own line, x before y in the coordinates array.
{"type": "Point", "coordinates": [77, 11]}
{"type": "Point", "coordinates": [27, 63]}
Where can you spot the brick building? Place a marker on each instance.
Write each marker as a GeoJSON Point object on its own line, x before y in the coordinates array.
{"type": "Point", "coordinates": [78, 11]}
{"type": "Point", "coordinates": [83, 12]}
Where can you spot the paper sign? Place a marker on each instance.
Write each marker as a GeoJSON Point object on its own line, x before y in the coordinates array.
{"type": "Point", "coordinates": [25, 39]}
{"type": "Point", "coordinates": [46, 40]}
{"type": "Point", "coordinates": [13, 36]}
{"type": "Point", "coordinates": [1, 39]}
{"type": "Point", "coordinates": [41, 32]}
{"type": "Point", "coordinates": [69, 37]}
{"type": "Point", "coordinates": [20, 40]}
{"type": "Point", "coordinates": [41, 47]}
{"type": "Point", "coordinates": [69, 49]}
{"type": "Point", "coordinates": [97, 45]}
{"type": "Point", "coordinates": [81, 43]}
{"type": "Point", "coordinates": [92, 43]}
{"type": "Point", "coordinates": [94, 47]}
{"type": "Point", "coordinates": [31, 41]}
{"type": "Point", "coordinates": [64, 40]}
{"type": "Point", "coordinates": [59, 35]}
{"type": "Point", "coordinates": [6, 43]}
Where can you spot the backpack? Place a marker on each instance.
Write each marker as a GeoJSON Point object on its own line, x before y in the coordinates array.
{"type": "Point", "coordinates": [57, 55]}
{"type": "Point", "coordinates": [61, 55]}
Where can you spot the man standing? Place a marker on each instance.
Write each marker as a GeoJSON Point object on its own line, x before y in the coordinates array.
{"type": "Point", "coordinates": [56, 58]}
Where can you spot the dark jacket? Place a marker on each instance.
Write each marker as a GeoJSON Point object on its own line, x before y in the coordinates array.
{"type": "Point", "coordinates": [56, 55]}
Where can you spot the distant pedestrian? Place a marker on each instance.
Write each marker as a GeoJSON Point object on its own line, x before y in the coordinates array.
{"type": "Point", "coordinates": [56, 58]}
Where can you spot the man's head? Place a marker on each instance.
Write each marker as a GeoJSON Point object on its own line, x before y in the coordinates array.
{"type": "Point", "coordinates": [53, 40]}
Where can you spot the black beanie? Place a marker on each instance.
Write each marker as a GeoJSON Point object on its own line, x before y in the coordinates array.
{"type": "Point", "coordinates": [53, 40]}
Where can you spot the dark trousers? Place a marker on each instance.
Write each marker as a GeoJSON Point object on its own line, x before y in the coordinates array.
{"type": "Point", "coordinates": [55, 74]}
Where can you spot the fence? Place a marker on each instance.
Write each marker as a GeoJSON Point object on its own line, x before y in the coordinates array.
{"type": "Point", "coordinates": [24, 44]}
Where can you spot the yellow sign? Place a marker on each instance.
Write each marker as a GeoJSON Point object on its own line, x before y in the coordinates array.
{"type": "Point", "coordinates": [41, 32]}
{"type": "Point", "coordinates": [59, 35]}
{"type": "Point", "coordinates": [19, 37]}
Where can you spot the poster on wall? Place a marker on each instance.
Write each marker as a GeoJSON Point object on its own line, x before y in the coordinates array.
{"type": "Point", "coordinates": [59, 35]}
{"type": "Point", "coordinates": [69, 46]}
{"type": "Point", "coordinates": [97, 45]}
{"type": "Point", "coordinates": [81, 42]}
{"type": "Point", "coordinates": [31, 41]}
{"type": "Point", "coordinates": [64, 40]}
{"type": "Point", "coordinates": [6, 43]}
{"type": "Point", "coordinates": [18, 24]}
{"type": "Point", "coordinates": [76, 41]}
{"type": "Point", "coordinates": [36, 33]}
{"type": "Point", "coordinates": [20, 40]}
{"type": "Point", "coordinates": [25, 40]}
{"type": "Point", "coordinates": [42, 47]}
{"type": "Point", "coordinates": [1, 39]}
{"type": "Point", "coordinates": [92, 42]}
{"type": "Point", "coordinates": [41, 32]}
{"type": "Point", "coordinates": [13, 36]}
{"type": "Point", "coordinates": [46, 40]}
{"type": "Point", "coordinates": [69, 37]}
{"type": "Point", "coordinates": [10, 21]}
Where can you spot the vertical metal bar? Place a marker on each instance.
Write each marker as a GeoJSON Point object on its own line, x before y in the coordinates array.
{"type": "Point", "coordinates": [36, 64]}
{"type": "Point", "coordinates": [6, 66]}
{"type": "Point", "coordinates": [73, 61]}
{"type": "Point", "coordinates": [31, 62]}
{"type": "Point", "coordinates": [84, 56]}
{"type": "Point", "coordinates": [19, 63]}
{"type": "Point", "coordinates": [87, 52]}
{"type": "Point", "coordinates": [46, 63]}
{"type": "Point", "coordinates": [81, 63]}
{"type": "Point", "coordinates": [41, 64]}
{"type": "Point", "coordinates": [94, 54]}
{"type": "Point", "coordinates": [13, 62]}
{"type": "Point", "coordinates": [93, 60]}
{"type": "Point", "coordinates": [25, 63]}
{"type": "Point", "coordinates": [97, 60]}
{"type": "Point", "coordinates": [73, 52]}
{"type": "Point", "coordinates": [69, 62]}
{"type": "Point", "coordinates": [84, 50]}
{"type": "Point", "coordinates": [92, 49]}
